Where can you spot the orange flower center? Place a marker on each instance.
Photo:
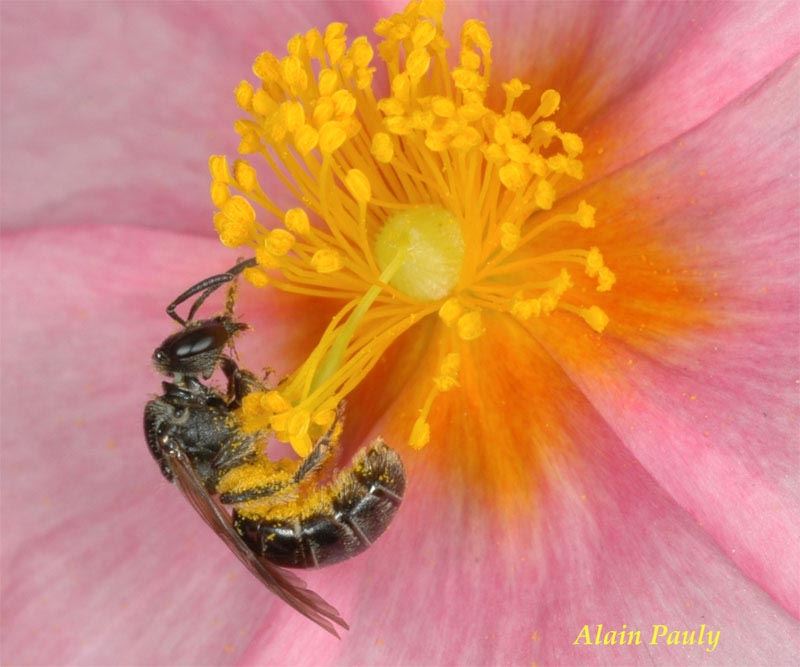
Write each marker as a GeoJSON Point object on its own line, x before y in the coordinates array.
{"type": "Point", "coordinates": [425, 203]}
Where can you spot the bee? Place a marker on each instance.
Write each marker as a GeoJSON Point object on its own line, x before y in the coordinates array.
{"type": "Point", "coordinates": [299, 523]}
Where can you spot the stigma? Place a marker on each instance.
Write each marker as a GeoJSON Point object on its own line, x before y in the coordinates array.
{"type": "Point", "coordinates": [427, 202]}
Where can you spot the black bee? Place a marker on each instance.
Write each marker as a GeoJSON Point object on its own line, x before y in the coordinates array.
{"type": "Point", "coordinates": [193, 437]}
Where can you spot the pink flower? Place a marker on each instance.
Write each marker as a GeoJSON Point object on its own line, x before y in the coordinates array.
{"type": "Point", "coordinates": [646, 476]}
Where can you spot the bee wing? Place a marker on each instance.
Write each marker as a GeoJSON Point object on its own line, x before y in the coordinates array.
{"type": "Point", "coordinates": [287, 586]}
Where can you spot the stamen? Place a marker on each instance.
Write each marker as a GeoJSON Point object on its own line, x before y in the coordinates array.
{"type": "Point", "coordinates": [425, 202]}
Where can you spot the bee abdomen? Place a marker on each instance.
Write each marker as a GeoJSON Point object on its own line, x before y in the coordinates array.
{"type": "Point", "coordinates": [366, 496]}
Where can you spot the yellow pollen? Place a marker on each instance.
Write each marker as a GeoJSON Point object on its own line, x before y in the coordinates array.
{"type": "Point", "coordinates": [420, 200]}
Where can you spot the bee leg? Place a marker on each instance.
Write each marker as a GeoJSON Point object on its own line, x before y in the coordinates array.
{"type": "Point", "coordinates": [207, 286]}
{"type": "Point", "coordinates": [323, 448]}
{"type": "Point", "coordinates": [240, 382]}
{"type": "Point", "coordinates": [234, 497]}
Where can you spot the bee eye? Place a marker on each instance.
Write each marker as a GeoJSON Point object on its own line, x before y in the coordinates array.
{"type": "Point", "coordinates": [160, 355]}
{"type": "Point", "coordinates": [179, 412]}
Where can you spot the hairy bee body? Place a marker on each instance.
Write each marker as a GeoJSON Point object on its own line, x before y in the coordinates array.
{"type": "Point", "coordinates": [192, 433]}
{"type": "Point", "coordinates": [364, 499]}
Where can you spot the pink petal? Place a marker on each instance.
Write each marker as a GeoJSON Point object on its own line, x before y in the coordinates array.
{"type": "Point", "coordinates": [124, 102]}
{"type": "Point", "coordinates": [711, 412]}
{"type": "Point", "coordinates": [457, 581]}
{"type": "Point", "coordinates": [634, 75]}
{"type": "Point", "coordinates": [129, 571]}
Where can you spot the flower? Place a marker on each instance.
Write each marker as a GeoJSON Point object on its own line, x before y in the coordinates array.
{"type": "Point", "coordinates": [650, 481]}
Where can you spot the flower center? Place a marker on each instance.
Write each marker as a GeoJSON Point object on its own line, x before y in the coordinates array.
{"type": "Point", "coordinates": [424, 203]}
{"type": "Point", "coordinates": [434, 247]}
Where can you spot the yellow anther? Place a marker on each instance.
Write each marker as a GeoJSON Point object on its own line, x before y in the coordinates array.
{"type": "Point", "coordinates": [585, 215]}
{"type": "Point", "coordinates": [466, 79]}
{"type": "Point", "coordinates": [294, 115]}
{"type": "Point", "coordinates": [549, 301]}
{"type": "Point", "coordinates": [256, 277]}
{"type": "Point", "coordinates": [218, 167]}
{"type": "Point", "coordinates": [450, 311]}
{"type": "Point", "coordinates": [306, 139]}
{"type": "Point", "coordinates": [364, 77]}
{"type": "Point", "coordinates": [296, 46]}
{"type": "Point", "coordinates": [466, 138]}
{"type": "Point", "coordinates": [558, 163]}
{"type": "Point", "coordinates": [296, 220]}
{"type": "Point", "coordinates": [361, 52]}
{"type": "Point", "coordinates": [574, 169]}
{"type": "Point", "coordinates": [524, 309]}
{"type": "Point", "coordinates": [245, 176]}
{"type": "Point", "coordinates": [595, 318]}
{"type": "Point", "coordinates": [562, 282]}
{"type": "Point", "coordinates": [503, 132]}
{"type": "Point", "coordinates": [423, 34]}
{"type": "Point", "coordinates": [437, 141]}
{"type": "Point", "coordinates": [326, 260]}
{"type": "Point", "coordinates": [266, 259]}
{"type": "Point", "coordinates": [398, 125]}
{"type": "Point", "coordinates": [391, 106]}
{"type": "Point", "coordinates": [472, 111]}
{"type": "Point", "coordinates": [423, 120]}
{"type": "Point", "coordinates": [328, 81]}
{"type": "Point", "coordinates": [232, 232]}
{"type": "Point", "coordinates": [447, 378]}
{"type": "Point", "coordinates": [594, 262]}
{"type": "Point", "coordinates": [572, 143]}
{"type": "Point", "coordinates": [513, 176]}
{"type": "Point", "coordinates": [219, 193]}
{"type": "Point", "coordinates": [443, 107]}
{"type": "Point", "coordinates": [280, 421]}
{"type": "Point", "coordinates": [494, 153]}
{"type": "Point", "coordinates": [358, 185]}
{"type": "Point", "coordinates": [417, 63]}
{"type": "Point", "coordinates": [514, 90]}
{"type": "Point", "coordinates": [275, 402]}
{"type": "Point", "coordinates": [470, 326]}
{"type": "Point", "coordinates": [323, 111]}
{"type": "Point", "coordinates": [294, 73]}
{"type": "Point", "coordinates": [298, 423]}
{"type": "Point", "coordinates": [344, 102]}
{"type": "Point", "coordinates": [548, 103]}
{"type": "Point", "coordinates": [420, 434]}
{"type": "Point", "coordinates": [238, 209]}
{"type": "Point", "coordinates": [335, 42]}
{"type": "Point", "coordinates": [267, 67]}
{"type": "Point", "coordinates": [605, 279]}
{"type": "Point", "coordinates": [451, 364]}
{"type": "Point", "coordinates": [244, 95]}
{"type": "Point", "coordinates": [509, 236]}
{"type": "Point", "coordinates": [475, 31]}
{"type": "Point", "coordinates": [545, 194]}
{"type": "Point", "coordinates": [262, 103]}
{"type": "Point", "coordinates": [331, 137]}
{"type": "Point", "coordinates": [324, 417]}
{"type": "Point", "coordinates": [279, 242]}
{"type": "Point", "coordinates": [315, 46]}
{"type": "Point", "coordinates": [517, 151]}
{"type": "Point", "coordinates": [520, 126]}
{"type": "Point", "coordinates": [250, 143]}
{"type": "Point", "coordinates": [382, 149]}
{"type": "Point", "coordinates": [470, 60]}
